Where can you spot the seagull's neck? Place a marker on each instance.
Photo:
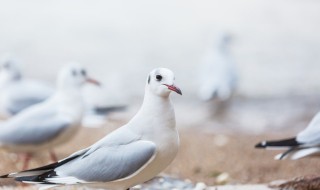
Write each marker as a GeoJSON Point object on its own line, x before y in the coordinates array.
{"type": "Point", "coordinates": [155, 111]}
{"type": "Point", "coordinates": [69, 96]}
{"type": "Point", "coordinates": [154, 102]}
{"type": "Point", "coordinates": [72, 91]}
{"type": "Point", "coordinates": [3, 82]}
{"type": "Point", "coordinates": [6, 81]}
{"type": "Point", "coordinates": [69, 102]}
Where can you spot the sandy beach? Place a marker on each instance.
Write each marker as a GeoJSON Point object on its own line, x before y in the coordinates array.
{"type": "Point", "coordinates": [275, 47]}
{"type": "Point", "coordinates": [214, 151]}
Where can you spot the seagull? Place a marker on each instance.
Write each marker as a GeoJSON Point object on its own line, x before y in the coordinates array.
{"type": "Point", "coordinates": [306, 143]}
{"type": "Point", "coordinates": [218, 76]}
{"type": "Point", "coordinates": [17, 92]}
{"type": "Point", "coordinates": [130, 155]}
{"type": "Point", "coordinates": [50, 123]}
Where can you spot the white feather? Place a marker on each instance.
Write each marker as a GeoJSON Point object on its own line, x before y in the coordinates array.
{"type": "Point", "coordinates": [45, 187]}
{"type": "Point", "coordinates": [304, 152]}
{"type": "Point", "coordinates": [278, 157]}
{"type": "Point", "coordinates": [65, 180]}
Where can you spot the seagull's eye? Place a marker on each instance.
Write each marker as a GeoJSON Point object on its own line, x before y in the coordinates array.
{"type": "Point", "coordinates": [83, 72]}
{"type": "Point", "coordinates": [158, 77]}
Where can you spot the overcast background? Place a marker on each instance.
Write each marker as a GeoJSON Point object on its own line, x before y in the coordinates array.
{"type": "Point", "coordinates": [276, 44]}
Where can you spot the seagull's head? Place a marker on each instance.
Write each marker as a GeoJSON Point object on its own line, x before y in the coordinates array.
{"type": "Point", "coordinates": [74, 75]}
{"type": "Point", "coordinates": [161, 82]}
{"type": "Point", "coordinates": [9, 68]}
{"type": "Point", "coordinates": [224, 40]}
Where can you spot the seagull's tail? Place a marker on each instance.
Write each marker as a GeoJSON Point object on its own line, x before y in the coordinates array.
{"type": "Point", "coordinates": [280, 144]}
{"type": "Point", "coordinates": [36, 177]}
{"type": "Point", "coordinates": [295, 150]}
{"type": "Point", "coordinates": [30, 173]}
{"type": "Point", "coordinates": [39, 175]}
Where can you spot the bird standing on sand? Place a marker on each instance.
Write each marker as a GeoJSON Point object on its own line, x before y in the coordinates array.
{"type": "Point", "coordinates": [218, 76]}
{"type": "Point", "coordinates": [16, 92]}
{"type": "Point", "coordinates": [50, 123]}
{"type": "Point", "coordinates": [306, 143]}
{"type": "Point", "coordinates": [132, 154]}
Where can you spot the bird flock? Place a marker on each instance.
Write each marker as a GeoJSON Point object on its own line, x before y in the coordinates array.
{"type": "Point", "coordinates": [130, 155]}
{"type": "Point", "coordinates": [40, 118]}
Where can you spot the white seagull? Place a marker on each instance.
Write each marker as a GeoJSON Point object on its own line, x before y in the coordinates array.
{"type": "Point", "coordinates": [218, 76]}
{"type": "Point", "coordinates": [130, 155]}
{"type": "Point", "coordinates": [17, 92]}
{"type": "Point", "coordinates": [50, 123]}
{"type": "Point", "coordinates": [306, 143]}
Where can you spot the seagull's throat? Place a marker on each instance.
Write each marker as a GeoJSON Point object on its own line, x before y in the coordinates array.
{"type": "Point", "coordinates": [151, 98]}
{"type": "Point", "coordinates": [69, 88]}
{"type": "Point", "coordinates": [157, 106]}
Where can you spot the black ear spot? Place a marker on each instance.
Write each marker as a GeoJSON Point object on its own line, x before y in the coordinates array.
{"type": "Point", "coordinates": [149, 79]}
{"type": "Point", "coordinates": [158, 77]}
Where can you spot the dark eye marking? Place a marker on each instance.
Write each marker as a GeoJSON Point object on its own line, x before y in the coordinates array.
{"type": "Point", "coordinates": [74, 72]}
{"type": "Point", "coordinates": [7, 65]}
{"type": "Point", "coordinates": [84, 72]}
{"type": "Point", "coordinates": [158, 77]}
{"type": "Point", "coordinates": [149, 79]}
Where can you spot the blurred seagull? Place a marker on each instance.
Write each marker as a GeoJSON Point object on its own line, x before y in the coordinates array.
{"type": "Point", "coordinates": [218, 77]}
{"type": "Point", "coordinates": [306, 143]}
{"type": "Point", "coordinates": [100, 104]}
{"type": "Point", "coordinates": [132, 154]}
{"type": "Point", "coordinates": [17, 92]}
{"type": "Point", "coordinates": [50, 123]}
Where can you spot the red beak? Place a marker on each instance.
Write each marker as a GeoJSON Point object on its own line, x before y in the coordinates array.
{"type": "Point", "coordinates": [174, 88]}
{"type": "Point", "coordinates": [93, 81]}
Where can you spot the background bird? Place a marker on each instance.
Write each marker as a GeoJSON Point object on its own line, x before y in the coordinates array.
{"type": "Point", "coordinates": [17, 92]}
{"type": "Point", "coordinates": [132, 154]}
{"type": "Point", "coordinates": [50, 123]}
{"type": "Point", "coordinates": [218, 75]}
{"type": "Point", "coordinates": [306, 143]}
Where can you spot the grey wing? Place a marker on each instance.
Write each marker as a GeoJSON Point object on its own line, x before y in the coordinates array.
{"type": "Point", "coordinates": [25, 94]}
{"type": "Point", "coordinates": [21, 104]}
{"type": "Point", "coordinates": [33, 128]}
{"type": "Point", "coordinates": [311, 135]}
{"type": "Point", "coordinates": [108, 163]}
{"type": "Point", "coordinates": [108, 109]}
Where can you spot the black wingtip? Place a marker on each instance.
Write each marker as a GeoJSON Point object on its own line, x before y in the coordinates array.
{"type": "Point", "coordinates": [40, 179]}
{"type": "Point", "coordinates": [261, 145]}
{"type": "Point", "coordinates": [5, 176]}
{"type": "Point", "coordinates": [292, 142]}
